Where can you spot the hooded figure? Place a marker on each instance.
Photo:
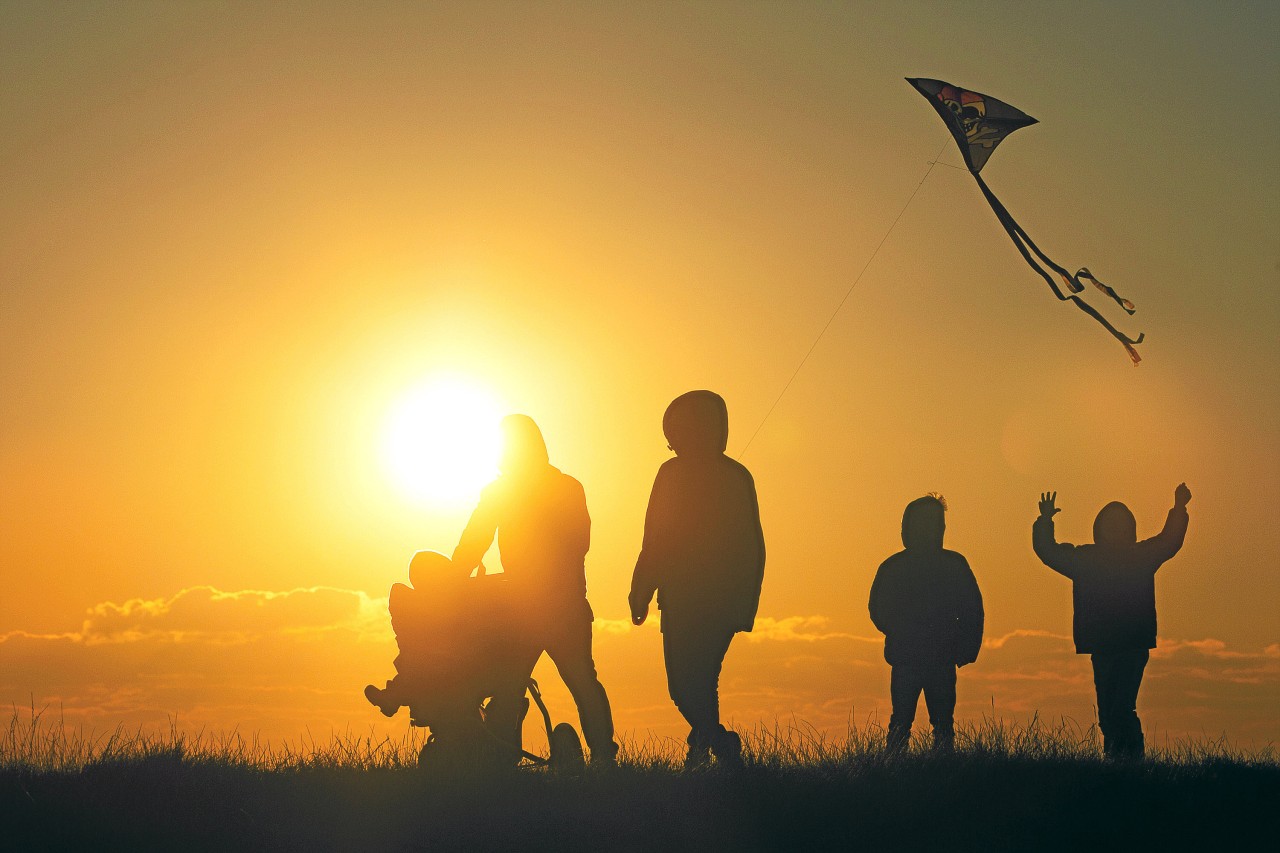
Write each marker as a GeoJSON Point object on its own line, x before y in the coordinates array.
{"type": "Point", "coordinates": [1114, 579]}
{"type": "Point", "coordinates": [1113, 589]}
{"type": "Point", "coordinates": [926, 602]}
{"type": "Point", "coordinates": [703, 553]}
{"type": "Point", "coordinates": [539, 516]}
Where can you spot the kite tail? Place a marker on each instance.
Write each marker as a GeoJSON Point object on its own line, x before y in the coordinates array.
{"type": "Point", "coordinates": [1128, 306]}
{"type": "Point", "coordinates": [1024, 242]}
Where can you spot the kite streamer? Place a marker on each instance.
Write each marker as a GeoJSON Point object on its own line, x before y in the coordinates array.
{"type": "Point", "coordinates": [979, 123]}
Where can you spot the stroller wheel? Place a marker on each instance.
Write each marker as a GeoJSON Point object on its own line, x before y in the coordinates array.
{"type": "Point", "coordinates": [566, 751]}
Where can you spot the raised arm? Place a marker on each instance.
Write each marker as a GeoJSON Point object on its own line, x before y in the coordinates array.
{"type": "Point", "coordinates": [1161, 547]}
{"type": "Point", "coordinates": [1059, 556]}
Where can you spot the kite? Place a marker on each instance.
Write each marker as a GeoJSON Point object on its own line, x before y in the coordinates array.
{"type": "Point", "coordinates": [979, 123]}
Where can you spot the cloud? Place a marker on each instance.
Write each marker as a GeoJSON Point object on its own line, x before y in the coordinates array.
{"type": "Point", "coordinates": [278, 663]}
{"type": "Point", "coordinates": [206, 614]}
{"type": "Point", "coordinates": [807, 629]}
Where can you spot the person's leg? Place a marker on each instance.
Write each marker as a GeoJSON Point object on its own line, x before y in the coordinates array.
{"type": "Point", "coordinates": [569, 647]}
{"type": "Point", "coordinates": [905, 685]}
{"type": "Point", "coordinates": [940, 699]}
{"type": "Point", "coordinates": [693, 655]}
{"type": "Point", "coordinates": [680, 658]}
{"type": "Point", "coordinates": [1128, 679]}
{"type": "Point", "coordinates": [504, 715]}
{"type": "Point", "coordinates": [1104, 682]}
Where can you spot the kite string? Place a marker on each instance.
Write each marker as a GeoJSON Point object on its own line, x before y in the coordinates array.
{"type": "Point", "coordinates": [847, 294]}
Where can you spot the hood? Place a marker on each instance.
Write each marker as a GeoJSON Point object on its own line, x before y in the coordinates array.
{"type": "Point", "coordinates": [923, 524]}
{"type": "Point", "coordinates": [523, 448]}
{"type": "Point", "coordinates": [1115, 525]}
{"type": "Point", "coordinates": [428, 568]}
{"type": "Point", "coordinates": [697, 423]}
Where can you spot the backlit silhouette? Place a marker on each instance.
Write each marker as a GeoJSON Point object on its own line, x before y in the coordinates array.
{"type": "Point", "coordinates": [539, 516]}
{"type": "Point", "coordinates": [1113, 589]}
{"type": "Point", "coordinates": [703, 554]}
{"type": "Point", "coordinates": [458, 645]}
{"type": "Point", "coordinates": [925, 600]}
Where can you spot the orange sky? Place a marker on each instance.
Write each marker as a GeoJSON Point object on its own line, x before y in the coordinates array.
{"type": "Point", "coordinates": [231, 239]}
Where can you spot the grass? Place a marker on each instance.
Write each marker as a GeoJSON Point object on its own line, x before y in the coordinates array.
{"type": "Point", "coordinates": [1008, 787]}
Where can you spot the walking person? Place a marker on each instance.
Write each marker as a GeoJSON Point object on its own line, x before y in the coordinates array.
{"type": "Point", "coordinates": [703, 553]}
{"type": "Point", "coordinates": [539, 516]}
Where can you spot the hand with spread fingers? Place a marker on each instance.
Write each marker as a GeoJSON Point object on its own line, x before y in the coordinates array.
{"type": "Point", "coordinates": [1047, 509]}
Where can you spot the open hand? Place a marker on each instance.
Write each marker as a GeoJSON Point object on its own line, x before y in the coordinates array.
{"type": "Point", "coordinates": [1047, 509]}
{"type": "Point", "coordinates": [1181, 495]}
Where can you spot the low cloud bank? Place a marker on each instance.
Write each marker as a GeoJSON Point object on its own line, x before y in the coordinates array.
{"type": "Point", "coordinates": [280, 663]}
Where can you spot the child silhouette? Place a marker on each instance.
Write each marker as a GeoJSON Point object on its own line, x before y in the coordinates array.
{"type": "Point", "coordinates": [1113, 589]}
{"type": "Point", "coordinates": [925, 600]}
{"type": "Point", "coordinates": [703, 553]}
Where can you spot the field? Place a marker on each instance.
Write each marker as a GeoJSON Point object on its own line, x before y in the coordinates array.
{"type": "Point", "coordinates": [1007, 788]}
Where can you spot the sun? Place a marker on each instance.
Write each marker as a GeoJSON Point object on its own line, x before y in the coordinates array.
{"type": "Point", "coordinates": [441, 441]}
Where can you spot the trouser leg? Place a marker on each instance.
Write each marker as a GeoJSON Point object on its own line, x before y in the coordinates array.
{"type": "Point", "coordinates": [505, 712]}
{"type": "Point", "coordinates": [1128, 680]}
{"type": "Point", "coordinates": [905, 684]}
{"type": "Point", "coordinates": [1117, 676]}
{"type": "Point", "coordinates": [694, 656]}
{"type": "Point", "coordinates": [570, 650]}
{"type": "Point", "coordinates": [1103, 685]}
{"type": "Point", "coordinates": [940, 698]}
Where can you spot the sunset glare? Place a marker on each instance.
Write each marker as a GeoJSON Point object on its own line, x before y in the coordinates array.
{"type": "Point", "coordinates": [440, 443]}
{"type": "Point", "coordinates": [274, 273]}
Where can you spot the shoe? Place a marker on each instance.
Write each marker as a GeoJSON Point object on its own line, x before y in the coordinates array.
{"type": "Point", "coordinates": [378, 698]}
{"type": "Point", "coordinates": [727, 748]}
{"type": "Point", "coordinates": [698, 757]}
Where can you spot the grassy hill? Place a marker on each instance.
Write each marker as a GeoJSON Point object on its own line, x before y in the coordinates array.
{"type": "Point", "coordinates": [1007, 788]}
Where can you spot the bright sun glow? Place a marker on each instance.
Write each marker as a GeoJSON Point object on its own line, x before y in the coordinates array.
{"type": "Point", "coordinates": [441, 441]}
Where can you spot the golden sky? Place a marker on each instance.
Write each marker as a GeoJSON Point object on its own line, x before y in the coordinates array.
{"type": "Point", "coordinates": [232, 238]}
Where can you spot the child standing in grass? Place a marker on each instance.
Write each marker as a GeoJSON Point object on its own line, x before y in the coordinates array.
{"type": "Point", "coordinates": [1113, 589]}
{"type": "Point", "coordinates": [703, 553]}
{"type": "Point", "coordinates": [925, 600]}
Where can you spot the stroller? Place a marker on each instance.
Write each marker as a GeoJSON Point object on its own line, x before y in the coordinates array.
{"type": "Point", "coordinates": [467, 670]}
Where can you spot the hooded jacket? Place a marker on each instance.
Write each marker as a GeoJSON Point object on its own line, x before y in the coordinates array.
{"type": "Point", "coordinates": [703, 549]}
{"type": "Point", "coordinates": [925, 599]}
{"type": "Point", "coordinates": [539, 515]}
{"type": "Point", "coordinates": [1113, 581]}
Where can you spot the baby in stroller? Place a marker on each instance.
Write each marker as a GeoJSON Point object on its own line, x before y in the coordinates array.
{"type": "Point", "coordinates": [460, 643]}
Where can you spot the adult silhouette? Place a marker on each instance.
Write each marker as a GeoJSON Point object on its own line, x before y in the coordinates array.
{"type": "Point", "coordinates": [539, 516]}
{"type": "Point", "coordinates": [1113, 590]}
{"type": "Point", "coordinates": [926, 602]}
{"type": "Point", "coordinates": [703, 553]}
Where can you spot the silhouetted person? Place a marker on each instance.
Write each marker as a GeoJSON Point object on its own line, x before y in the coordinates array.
{"type": "Point", "coordinates": [925, 600]}
{"type": "Point", "coordinates": [414, 609]}
{"type": "Point", "coordinates": [540, 518]}
{"type": "Point", "coordinates": [703, 553]}
{"type": "Point", "coordinates": [1113, 588]}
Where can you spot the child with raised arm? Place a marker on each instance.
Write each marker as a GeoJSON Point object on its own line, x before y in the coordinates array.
{"type": "Point", "coordinates": [1113, 589]}
{"type": "Point", "coordinates": [926, 602]}
{"type": "Point", "coordinates": [703, 553]}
